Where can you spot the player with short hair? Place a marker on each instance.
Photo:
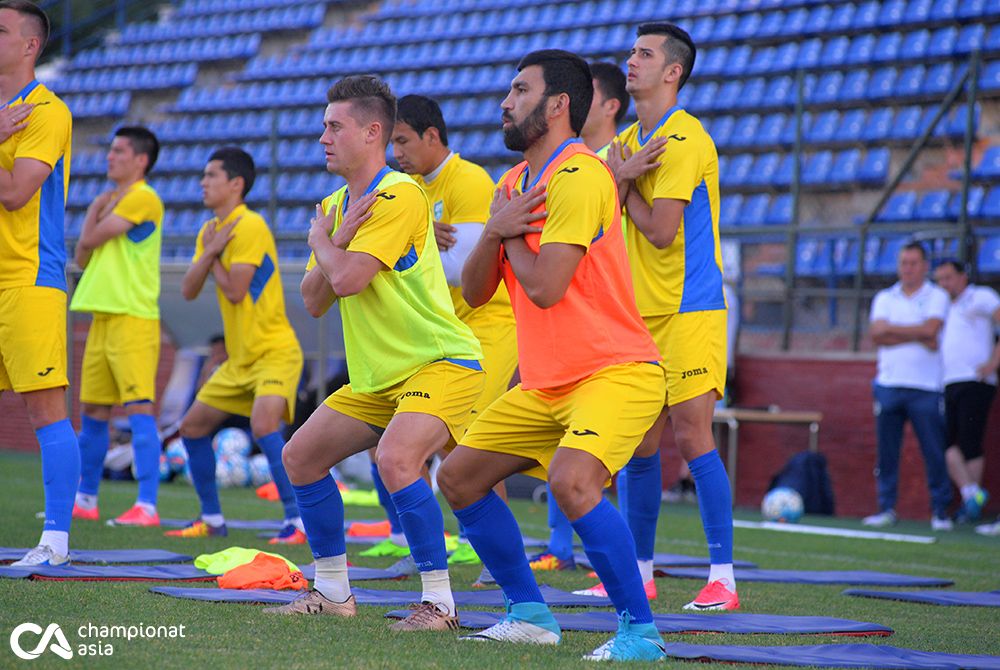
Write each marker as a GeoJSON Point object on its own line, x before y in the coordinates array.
{"type": "Point", "coordinates": [590, 386]}
{"type": "Point", "coordinates": [667, 170]}
{"type": "Point", "coordinates": [460, 192]}
{"type": "Point", "coordinates": [36, 135]}
{"type": "Point", "coordinates": [119, 250]}
{"type": "Point", "coordinates": [607, 110]}
{"type": "Point", "coordinates": [260, 378]}
{"type": "Point", "coordinates": [413, 365]}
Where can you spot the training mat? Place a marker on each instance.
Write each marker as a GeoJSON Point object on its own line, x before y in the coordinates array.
{"type": "Point", "coordinates": [250, 524]}
{"type": "Point", "coordinates": [671, 560]}
{"type": "Point", "coordinates": [607, 622]}
{"type": "Point", "coordinates": [864, 577]}
{"type": "Point", "coordinates": [483, 598]}
{"type": "Point", "coordinates": [835, 656]}
{"type": "Point", "coordinates": [177, 572]}
{"type": "Point", "coordinates": [968, 598]}
{"type": "Point", "coordinates": [107, 555]}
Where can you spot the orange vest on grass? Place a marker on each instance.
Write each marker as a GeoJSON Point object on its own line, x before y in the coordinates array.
{"type": "Point", "coordinates": [596, 324]}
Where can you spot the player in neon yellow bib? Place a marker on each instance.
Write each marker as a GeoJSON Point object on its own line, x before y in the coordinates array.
{"type": "Point", "coordinates": [119, 249]}
{"type": "Point", "coordinates": [414, 367]}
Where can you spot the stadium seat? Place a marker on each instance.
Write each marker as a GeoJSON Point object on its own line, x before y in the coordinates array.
{"type": "Point", "coordinates": [973, 206]}
{"type": "Point", "coordinates": [933, 206]}
{"type": "Point", "coordinates": [729, 210]}
{"type": "Point", "coordinates": [917, 11]}
{"type": "Point", "coordinates": [881, 83]}
{"type": "Point", "coordinates": [899, 207]}
{"type": "Point", "coordinates": [878, 127]}
{"type": "Point", "coordinates": [852, 122]}
{"type": "Point", "coordinates": [754, 210]}
{"type": "Point", "coordinates": [906, 125]}
{"type": "Point", "coordinates": [834, 52]}
{"type": "Point", "coordinates": [780, 210]}
{"type": "Point", "coordinates": [823, 127]}
{"type": "Point", "coordinates": [855, 85]}
{"type": "Point", "coordinates": [874, 167]}
{"type": "Point", "coordinates": [845, 167]}
{"type": "Point", "coordinates": [763, 170]}
{"type": "Point", "coordinates": [990, 209]}
{"type": "Point", "coordinates": [828, 88]}
{"type": "Point", "coordinates": [989, 255]}
{"type": "Point", "coordinates": [885, 263]}
{"type": "Point", "coordinates": [745, 130]}
{"type": "Point", "coordinates": [943, 10]}
{"type": "Point", "coordinates": [817, 168]}
{"type": "Point", "coordinates": [862, 48]}
{"type": "Point", "coordinates": [988, 168]}
{"type": "Point", "coordinates": [887, 47]}
{"type": "Point", "coordinates": [770, 130]}
{"type": "Point", "coordinates": [970, 38]}
{"type": "Point", "coordinates": [891, 13]}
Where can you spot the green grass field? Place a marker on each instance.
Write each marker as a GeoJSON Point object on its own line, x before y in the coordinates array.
{"type": "Point", "coordinates": [238, 636]}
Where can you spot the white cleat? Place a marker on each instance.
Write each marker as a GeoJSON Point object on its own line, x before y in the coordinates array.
{"type": "Point", "coordinates": [518, 632]}
{"type": "Point", "coordinates": [41, 555]}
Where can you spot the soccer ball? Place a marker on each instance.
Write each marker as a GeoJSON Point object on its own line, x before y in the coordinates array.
{"type": "Point", "coordinates": [176, 455]}
{"type": "Point", "coordinates": [260, 470]}
{"type": "Point", "coordinates": [232, 470]}
{"type": "Point", "coordinates": [231, 441]}
{"type": "Point", "coordinates": [782, 504]}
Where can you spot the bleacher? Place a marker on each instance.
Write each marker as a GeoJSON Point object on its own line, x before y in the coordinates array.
{"type": "Point", "coordinates": [875, 73]}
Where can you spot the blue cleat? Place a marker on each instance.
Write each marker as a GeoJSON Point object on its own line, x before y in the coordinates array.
{"type": "Point", "coordinates": [633, 642]}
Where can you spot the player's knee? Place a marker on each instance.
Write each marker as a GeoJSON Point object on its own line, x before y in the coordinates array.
{"type": "Point", "coordinates": [191, 428]}
{"type": "Point", "coordinates": [450, 482]}
{"type": "Point", "coordinates": [693, 440]}
{"type": "Point", "coordinates": [397, 467]}
{"type": "Point", "coordinates": [262, 426]}
{"type": "Point", "coordinates": [296, 465]}
{"type": "Point", "coordinates": [571, 493]}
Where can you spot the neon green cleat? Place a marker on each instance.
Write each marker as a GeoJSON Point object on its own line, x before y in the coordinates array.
{"type": "Point", "coordinates": [464, 554]}
{"type": "Point", "coordinates": [386, 548]}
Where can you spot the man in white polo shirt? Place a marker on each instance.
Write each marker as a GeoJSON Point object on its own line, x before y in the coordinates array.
{"type": "Point", "coordinates": [906, 321]}
{"type": "Point", "coordinates": [971, 357]}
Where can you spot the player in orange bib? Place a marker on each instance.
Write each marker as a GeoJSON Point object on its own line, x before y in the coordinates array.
{"type": "Point", "coordinates": [591, 385]}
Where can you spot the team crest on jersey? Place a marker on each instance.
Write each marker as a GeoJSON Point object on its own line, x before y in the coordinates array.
{"type": "Point", "coordinates": [438, 210]}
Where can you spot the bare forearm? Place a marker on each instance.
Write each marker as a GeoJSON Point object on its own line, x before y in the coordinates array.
{"type": "Point", "coordinates": [225, 282]}
{"type": "Point", "coordinates": [481, 272]}
{"type": "Point", "coordinates": [640, 213]}
{"type": "Point", "coordinates": [317, 294]}
{"type": "Point", "coordinates": [194, 278]}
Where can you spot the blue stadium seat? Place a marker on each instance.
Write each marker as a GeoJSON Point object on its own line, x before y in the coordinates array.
{"type": "Point", "coordinates": [786, 170]}
{"type": "Point", "coordinates": [795, 22]}
{"type": "Point", "coordinates": [939, 79]}
{"type": "Point", "coordinates": [780, 91]}
{"type": "Point", "coordinates": [906, 125]}
{"type": "Point", "coordinates": [823, 127]}
{"type": "Point", "coordinates": [866, 15]}
{"type": "Point", "coordinates": [862, 48]}
{"type": "Point", "coordinates": [754, 210]}
{"type": "Point", "coordinates": [810, 52]}
{"type": "Point", "coordinates": [855, 85]}
{"type": "Point", "coordinates": [910, 81]}
{"type": "Point", "coordinates": [819, 18]}
{"type": "Point", "coordinates": [845, 167]}
{"type": "Point", "coordinates": [988, 168]}
{"type": "Point", "coordinates": [737, 170]}
{"type": "Point", "coordinates": [881, 83]}
{"type": "Point", "coordinates": [942, 42]}
{"type": "Point", "coordinates": [879, 126]}
{"type": "Point", "coordinates": [785, 57]}
{"type": "Point", "coordinates": [834, 52]}
{"type": "Point", "coordinates": [828, 88]}
{"type": "Point", "coordinates": [989, 76]}
{"type": "Point", "coordinates": [891, 13]}
{"type": "Point", "coordinates": [990, 209]}
{"type": "Point", "coordinates": [944, 10]}
{"type": "Point", "coordinates": [933, 206]}
{"type": "Point", "coordinates": [813, 257]}
{"type": "Point", "coordinates": [900, 207]}
{"type": "Point", "coordinates": [779, 213]}
{"type": "Point", "coordinates": [992, 42]}
{"type": "Point", "coordinates": [788, 133]}
{"type": "Point", "coordinates": [989, 255]}
{"type": "Point", "coordinates": [973, 206]}
{"type": "Point", "coordinates": [887, 48]}
{"type": "Point", "coordinates": [852, 122]}
{"type": "Point", "coordinates": [751, 96]}
{"type": "Point", "coordinates": [736, 63]}
{"type": "Point", "coordinates": [842, 18]}
{"type": "Point", "coordinates": [817, 168]}
{"type": "Point", "coordinates": [887, 256]}
{"type": "Point", "coordinates": [874, 167]}
{"type": "Point", "coordinates": [711, 62]}
{"type": "Point", "coordinates": [769, 131]}
{"type": "Point", "coordinates": [729, 210]}
{"type": "Point", "coordinates": [721, 130]}
{"type": "Point", "coordinates": [914, 45]}
{"type": "Point", "coordinates": [745, 130]}
{"type": "Point", "coordinates": [917, 11]}
{"type": "Point", "coordinates": [763, 170]}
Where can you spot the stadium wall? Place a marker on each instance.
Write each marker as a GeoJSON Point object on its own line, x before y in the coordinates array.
{"type": "Point", "coordinates": [838, 385]}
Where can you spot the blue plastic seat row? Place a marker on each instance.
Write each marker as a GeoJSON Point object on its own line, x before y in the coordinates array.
{"type": "Point", "coordinates": [255, 95]}
{"type": "Point", "coordinates": [157, 53]}
{"type": "Point", "coordinates": [141, 77]}
{"type": "Point", "coordinates": [725, 26]}
{"type": "Point", "coordinates": [772, 170]}
{"type": "Point", "coordinates": [88, 163]}
{"type": "Point", "coordinates": [263, 20]}
{"type": "Point", "coordinates": [83, 191]}
{"type": "Point", "coordinates": [198, 8]}
{"type": "Point", "coordinates": [988, 168]}
{"type": "Point", "coordinates": [941, 205]}
{"type": "Point", "coordinates": [98, 104]}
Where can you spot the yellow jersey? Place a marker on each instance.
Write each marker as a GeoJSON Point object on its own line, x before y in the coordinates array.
{"type": "Point", "coordinates": [123, 275]}
{"type": "Point", "coordinates": [461, 193]}
{"type": "Point", "coordinates": [258, 324]}
{"type": "Point", "coordinates": [687, 275]}
{"type": "Point", "coordinates": [32, 239]}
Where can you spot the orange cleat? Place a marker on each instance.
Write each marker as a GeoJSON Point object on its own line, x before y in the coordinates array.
{"type": "Point", "coordinates": [600, 592]}
{"type": "Point", "coordinates": [85, 514]}
{"type": "Point", "coordinates": [199, 528]}
{"type": "Point", "coordinates": [136, 516]}
{"type": "Point", "coordinates": [715, 596]}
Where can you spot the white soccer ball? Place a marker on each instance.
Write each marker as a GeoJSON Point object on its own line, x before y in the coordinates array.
{"type": "Point", "coordinates": [231, 441]}
{"type": "Point", "coordinates": [782, 504]}
{"type": "Point", "coordinates": [232, 470]}
{"type": "Point", "coordinates": [176, 455]}
{"type": "Point", "coordinates": [260, 470]}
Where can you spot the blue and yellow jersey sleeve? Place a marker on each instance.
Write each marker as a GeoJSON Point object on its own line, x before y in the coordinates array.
{"type": "Point", "coordinates": [140, 205]}
{"type": "Point", "coordinates": [397, 227]}
{"type": "Point", "coordinates": [580, 201]}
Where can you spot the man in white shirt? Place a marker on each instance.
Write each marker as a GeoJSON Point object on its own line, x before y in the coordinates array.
{"type": "Point", "coordinates": [906, 321]}
{"type": "Point", "coordinates": [971, 356]}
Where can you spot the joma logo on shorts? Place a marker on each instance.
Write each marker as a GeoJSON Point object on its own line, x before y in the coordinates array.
{"type": "Point", "coordinates": [417, 394]}
{"type": "Point", "coordinates": [272, 382]}
{"type": "Point", "coordinates": [692, 373]}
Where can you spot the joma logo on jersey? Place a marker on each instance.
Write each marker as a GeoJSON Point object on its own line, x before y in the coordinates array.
{"type": "Point", "coordinates": [387, 196]}
{"type": "Point", "coordinates": [569, 170]}
{"type": "Point", "coordinates": [675, 137]}
{"type": "Point", "coordinates": [46, 371]}
{"type": "Point", "coordinates": [694, 373]}
{"type": "Point", "coordinates": [417, 394]}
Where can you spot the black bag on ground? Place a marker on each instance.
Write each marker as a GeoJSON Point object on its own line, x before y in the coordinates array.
{"type": "Point", "coordinates": [806, 473]}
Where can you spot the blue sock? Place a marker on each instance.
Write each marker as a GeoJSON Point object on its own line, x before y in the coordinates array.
{"type": "Point", "coordinates": [462, 535]}
{"type": "Point", "coordinates": [621, 484]}
{"type": "Point", "coordinates": [201, 461]}
{"type": "Point", "coordinates": [60, 472]}
{"type": "Point", "coordinates": [385, 500]}
{"type": "Point", "coordinates": [715, 500]}
{"type": "Point", "coordinates": [322, 512]}
{"type": "Point", "coordinates": [146, 451]}
{"type": "Point", "coordinates": [94, 439]}
{"type": "Point", "coordinates": [272, 445]}
{"type": "Point", "coordinates": [423, 524]}
{"type": "Point", "coordinates": [642, 511]}
{"type": "Point", "coordinates": [496, 537]}
{"type": "Point", "coordinates": [560, 531]}
{"type": "Point", "coordinates": [611, 550]}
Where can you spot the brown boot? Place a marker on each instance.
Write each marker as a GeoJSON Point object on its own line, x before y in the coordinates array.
{"type": "Point", "coordinates": [426, 616]}
{"type": "Point", "coordinates": [314, 602]}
